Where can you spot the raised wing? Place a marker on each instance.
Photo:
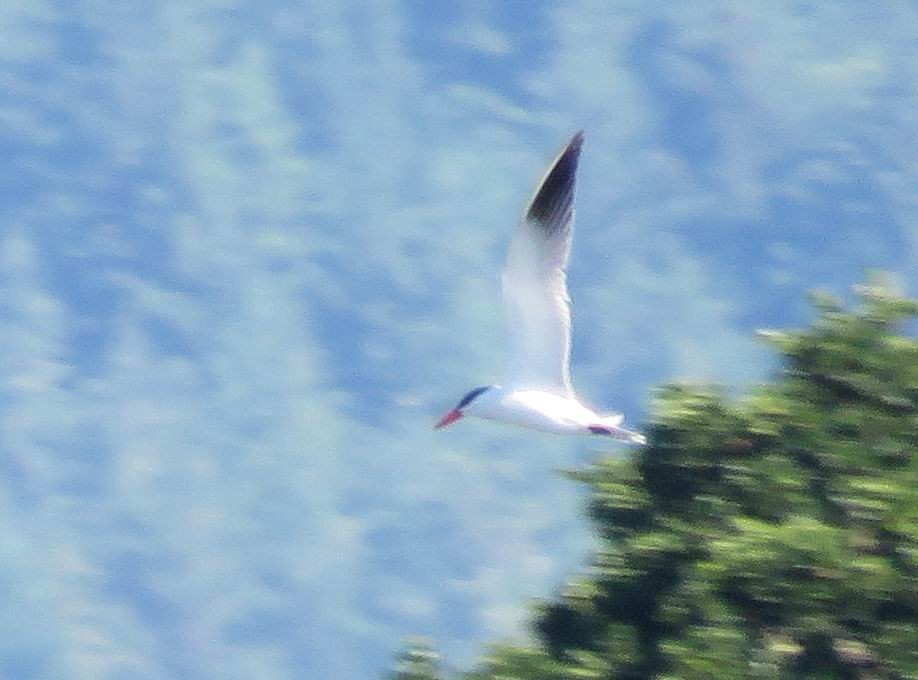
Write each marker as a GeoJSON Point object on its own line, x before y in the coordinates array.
{"type": "Point", "coordinates": [535, 283]}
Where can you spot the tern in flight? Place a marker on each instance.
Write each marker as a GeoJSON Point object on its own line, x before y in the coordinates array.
{"type": "Point", "coordinates": [537, 391]}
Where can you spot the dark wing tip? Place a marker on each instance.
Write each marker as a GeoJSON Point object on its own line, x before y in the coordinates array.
{"type": "Point", "coordinates": [554, 200]}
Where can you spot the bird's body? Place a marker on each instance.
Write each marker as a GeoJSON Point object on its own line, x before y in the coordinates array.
{"type": "Point", "coordinates": [541, 410]}
{"type": "Point", "coordinates": [537, 391]}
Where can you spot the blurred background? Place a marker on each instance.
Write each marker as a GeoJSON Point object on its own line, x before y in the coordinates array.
{"type": "Point", "coordinates": [250, 251]}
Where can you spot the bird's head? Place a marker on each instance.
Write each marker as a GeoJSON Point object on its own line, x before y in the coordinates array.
{"type": "Point", "coordinates": [466, 405]}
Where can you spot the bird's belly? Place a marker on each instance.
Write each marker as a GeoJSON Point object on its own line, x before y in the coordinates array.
{"type": "Point", "coordinates": [544, 412]}
{"type": "Point", "coordinates": [537, 421]}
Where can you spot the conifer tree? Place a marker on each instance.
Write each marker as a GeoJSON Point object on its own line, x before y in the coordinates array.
{"type": "Point", "coordinates": [774, 536]}
{"type": "Point", "coordinates": [418, 661]}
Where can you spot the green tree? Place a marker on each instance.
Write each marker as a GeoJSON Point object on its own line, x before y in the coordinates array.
{"type": "Point", "coordinates": [418, 661]}
{"type": "Point", "coordinates": [775, 537]}
{"type": "Point", "coordinates": [771, 537]}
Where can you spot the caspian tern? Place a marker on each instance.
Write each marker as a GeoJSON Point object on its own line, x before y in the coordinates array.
{"type": "Point", "coordinates": [537, 392]}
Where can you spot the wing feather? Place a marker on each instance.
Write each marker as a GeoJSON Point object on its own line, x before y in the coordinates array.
{"type": "Point", "coordinates": [535, 281]}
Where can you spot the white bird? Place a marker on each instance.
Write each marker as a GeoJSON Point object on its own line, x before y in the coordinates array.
{"type": "Point", "coordinates": [537, 391]}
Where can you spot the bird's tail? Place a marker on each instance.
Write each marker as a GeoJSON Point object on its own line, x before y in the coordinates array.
{"type": "Point", "coordinates": [634, 437]}
{"type": "Point", "coordinates": [613, 419]}
{"type": "Point", "coordinates": [610, 426]}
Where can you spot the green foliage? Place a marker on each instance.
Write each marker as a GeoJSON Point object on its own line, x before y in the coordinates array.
{"type": "Point", "coordinates": [417, 662]}
{"type": "Point", "coordinates": [776, 537]}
